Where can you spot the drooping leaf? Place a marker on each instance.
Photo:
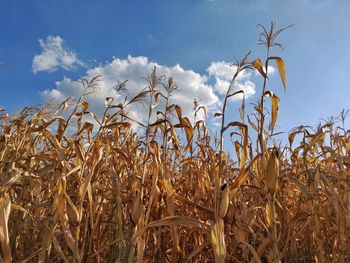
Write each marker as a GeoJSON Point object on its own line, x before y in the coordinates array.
{"type": "Point", "coordinates": [252, 124]}
{"type": "Point", "coordinates": [126, 125]}
{"type": "Point", "coordinates": [242, 110]}
{"type": "Point", "coordinates": [189, 131]}
{"type": "Point", "coordinates": [242, 176]}
{"type": "Point", "coordinates": [291, 138]}
{"type": "Point", "coordinates": [244, 129]}
{"type": "Point", "coordinates": [281, 70]}
{"type": "Point", "coordinates": [204, 110]}
{"type": "Point", "coordinates": [274, 108]}
{"type": "Point", "coordinates": [258, 65]}
{"type": "Point", "coordinates": [179, 112]}
{"type": "Point", "coordinates": [235, 93]}
{"type": "Point", "coordinates": [156, 96]}
{"type": "Point", "coordinates": [158, 122]}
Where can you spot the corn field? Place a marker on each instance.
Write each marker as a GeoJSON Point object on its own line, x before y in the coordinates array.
{"type": "Point", "coordinates": [77, 187]}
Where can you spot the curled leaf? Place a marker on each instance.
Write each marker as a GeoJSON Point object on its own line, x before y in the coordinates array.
{"type": "Point", "coordinates": [258, 65]}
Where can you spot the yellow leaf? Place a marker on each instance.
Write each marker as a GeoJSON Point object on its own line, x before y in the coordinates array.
{"type": "Point", "coordinates": [281, 70]}
{"type": "Point", "coordinates": [257, 64]}
{"type": "Point", "coordinates": [244, 129]}
{"type": "Point", "coordinates": [242, 177]}
{"type": "Point", "coordinates": [274, 108]}
{"type": "Point", "coordinates": [189, 131]}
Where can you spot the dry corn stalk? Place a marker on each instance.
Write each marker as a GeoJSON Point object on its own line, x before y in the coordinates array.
{"type": "Point", "coordinates": [218, 241]}
{"type": "Point", "coordinates": [271, 181]}
{"type": "Point", "coordinates": [72, 184]}
{"type": "Point", "coordinates": [272, 172]}
{"type": "Point", "coordinates": [5, 208]}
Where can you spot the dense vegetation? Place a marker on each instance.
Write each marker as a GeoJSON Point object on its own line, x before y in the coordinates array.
{"type": "Point", "coordinates": [76, 190]}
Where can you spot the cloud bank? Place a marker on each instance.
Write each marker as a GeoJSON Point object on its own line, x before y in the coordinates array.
{"type": "Point", "coordinates": [191, 85]}
{"type": "Point", "coordinates": [207, 87]}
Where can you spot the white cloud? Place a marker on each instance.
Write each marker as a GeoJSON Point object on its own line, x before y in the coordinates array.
{"type": "Point", "coordinates": [191, 85]}
{"type": "Point", "coordinates": [224, 70]}
{"type": "Point", "coordinates": [134, 69]}
{"type": "Point", "coordinates": [270, 70]}
{"type": "Point", "coordinates": [55, 55]}
{"type": "Point", "coordinates": [223, 73]}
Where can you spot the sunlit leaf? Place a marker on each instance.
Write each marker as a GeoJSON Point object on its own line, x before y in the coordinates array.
{"type": "Point", "coordinates": [274, 108]}
{"type": "Point", "coordinates": [281, 70]}
{"type": "Point", "coordinates": [258, 65]}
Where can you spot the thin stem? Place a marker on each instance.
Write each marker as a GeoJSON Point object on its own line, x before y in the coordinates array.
{"type": "Point", "coordinates": [262, 116]}
{"type": "Point", "coordinates": [218, 177]}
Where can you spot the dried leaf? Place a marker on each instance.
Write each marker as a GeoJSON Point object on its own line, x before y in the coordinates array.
{"type": "Point", "coordinates": [258, 65]}
{"type": "Point", "coordinates": [281, 70]}
{"type": "Point", "coordinates": [274, 108]}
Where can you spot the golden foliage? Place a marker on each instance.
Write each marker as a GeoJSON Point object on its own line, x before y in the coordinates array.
{"type": "Point", "coordinates": [73, 189]}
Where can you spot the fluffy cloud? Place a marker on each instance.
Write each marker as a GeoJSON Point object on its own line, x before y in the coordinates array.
{"type": "Point", "coordinates": [222, 72]}
{"type": "Point", "coordinates": [54, 55]}
{"type": "Point", "coordinates": [191, 85]}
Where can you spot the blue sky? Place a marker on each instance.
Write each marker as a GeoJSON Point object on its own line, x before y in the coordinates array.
{"type": "Point", "coordinates": [196, 34]}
